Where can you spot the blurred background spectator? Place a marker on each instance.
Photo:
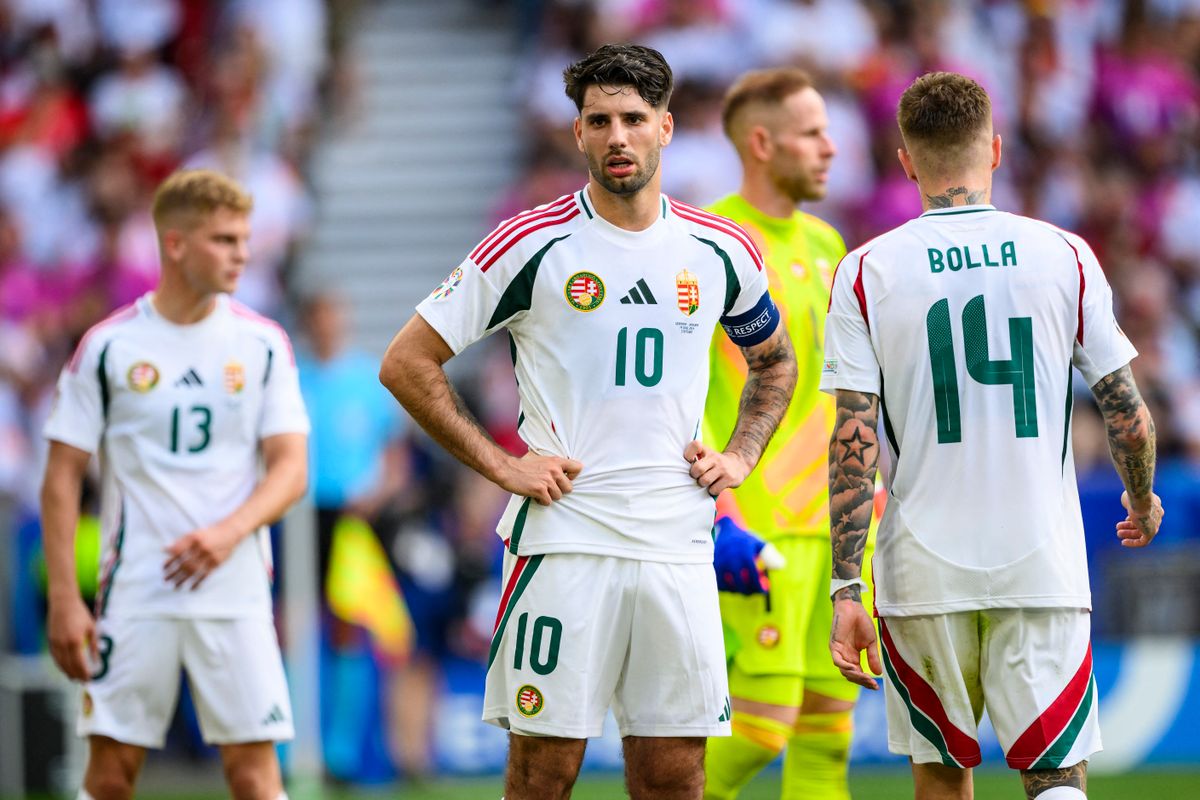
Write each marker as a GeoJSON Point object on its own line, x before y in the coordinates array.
{"type": "Point", "coordinates": [1098, 102]}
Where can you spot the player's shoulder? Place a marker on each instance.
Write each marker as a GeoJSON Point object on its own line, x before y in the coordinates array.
{"type": "Point", "coordinates": [97, 338]}
{"type": "Point", "coordinates": [519, 237]}
{"type": "Point", "coordinates": [720, 230]}
{"type": "Point", "coordinates": [820, 230]}
{"type": "Point", "coordinates": [251, 322]}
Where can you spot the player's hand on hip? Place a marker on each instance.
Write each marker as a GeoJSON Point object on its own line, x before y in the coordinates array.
{"type": "Point", "coordinates": [715, 470]}
{"type": "Point", "coordinates": [71, 630]}
{"type": "Point", "coordinates": [542, 478]}
{"type": "Point", "coordinates": [192, 557]}
{"type": "Point", "coordinates": [1141, 525]}
{"type": "Point", "coordinates": [741, 559]}
{"type": "Point", "coordinates": [852, 633]}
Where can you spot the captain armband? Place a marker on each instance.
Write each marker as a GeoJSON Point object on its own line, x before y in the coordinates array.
{"type": "Point", "coordinates": [754, 326]}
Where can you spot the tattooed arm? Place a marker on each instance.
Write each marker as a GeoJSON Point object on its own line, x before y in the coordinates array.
{"type": "Point", "coordinates": [768, 391]}
{"type": "Point", "coordinates": [853, 461]}
{"type": "Point", "coordinates": [1131, 442]}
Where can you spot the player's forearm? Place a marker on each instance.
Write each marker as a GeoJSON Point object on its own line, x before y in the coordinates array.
{"type": "Point", "coordinates": [853, 462]}
{"type": "Point", "coordinates": [770, 381]}
{"type": "Point", "coordinates": [1131, 436]}
{"type": "Point", "coordinates": [284, 481]}
{"type": "Point", "coordinates": [60, 498]}
{"type": "Point", "coordinates": [422, 387]}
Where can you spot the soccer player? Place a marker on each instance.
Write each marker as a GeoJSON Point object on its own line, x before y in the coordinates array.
{"type": "Point", "coordinates": [183, 396]}
{"type": "Point", "coordinates": [960, 328]}
{"type": "Point", "coordinates": [610, 295]}
{"type": "Point", "coordinates": [786, 691]}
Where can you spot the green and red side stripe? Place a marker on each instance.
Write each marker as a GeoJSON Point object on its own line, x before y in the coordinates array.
{"type": "Point", "coordinates": [957, 748]}
{"type": "Point", "coordinates": [522, 574]}
{"type": "Point", "coordinates": [1046, 742]}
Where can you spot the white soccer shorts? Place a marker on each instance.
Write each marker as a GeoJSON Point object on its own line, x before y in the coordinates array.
{"type": "Point", "coordinates": [576, 634]}
{"type": "Point", "coordinates": [233, 667]}
{"type": "Point", "coordinates": [1030, 668]}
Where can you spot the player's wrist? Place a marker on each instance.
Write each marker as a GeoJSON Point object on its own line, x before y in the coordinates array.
{"type": "Point", "coordinates": [847, 589]}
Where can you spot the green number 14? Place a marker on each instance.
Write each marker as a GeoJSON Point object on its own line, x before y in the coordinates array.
{"type": "Point", "coordinates": [1016, 372]}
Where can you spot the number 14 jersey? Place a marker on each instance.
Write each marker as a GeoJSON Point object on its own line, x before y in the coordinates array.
{"type": "Point", "coordinates": [610, 335]}
{"type": "Point", "coordinates": [966, 323]}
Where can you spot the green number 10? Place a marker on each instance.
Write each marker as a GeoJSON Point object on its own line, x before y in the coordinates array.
{"type": "Point", "coordinates": [1016, 372]}
{"type": "Point", "coordinates": [651, 337]}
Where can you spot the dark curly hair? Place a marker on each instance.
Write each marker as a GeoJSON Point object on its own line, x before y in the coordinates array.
{"type": "Point", "coordinates": [643, 68]}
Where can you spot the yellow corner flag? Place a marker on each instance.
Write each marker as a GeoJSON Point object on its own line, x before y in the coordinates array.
{"type": "Point", "coordinates": [363, 591]}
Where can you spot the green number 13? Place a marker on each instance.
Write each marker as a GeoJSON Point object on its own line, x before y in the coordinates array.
{"type": "Point", "coordinates": [1016, 372]}
{"type": "Point", "coordinates": [202, 418]}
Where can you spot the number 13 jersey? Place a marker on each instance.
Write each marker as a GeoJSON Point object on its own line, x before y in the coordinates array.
{"type": "Point", "coordinates": [966, 323]}
{"type": "Point", "coordinates": [175, 414]}
{"type": "Point", "coordinates": [610, 334]}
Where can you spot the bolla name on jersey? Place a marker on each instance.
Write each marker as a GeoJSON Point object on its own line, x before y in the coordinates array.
{"type": "Point", "coordinates": [972, 257]}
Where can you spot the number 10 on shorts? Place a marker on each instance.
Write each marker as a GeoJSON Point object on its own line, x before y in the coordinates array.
{"type": "Point", "coordinates": [544, 628]}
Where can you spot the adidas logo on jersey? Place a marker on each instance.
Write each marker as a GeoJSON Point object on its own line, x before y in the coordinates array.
{"type": "Point", "coordinates": [189, 378]}
{"type": "Point", "coordinates": [276, 715]}
{"type": "Point", "coordinates": [640, 294]}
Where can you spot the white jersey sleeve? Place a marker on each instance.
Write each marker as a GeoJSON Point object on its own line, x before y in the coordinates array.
{"type": "Point", "coordinates": [283, 406]}
{"type": "Point", "coordinates": [461, 308]}
{"type": "Point", "coordinates": [850, 359]}
{"type": "Point", "coordinates": [78, 415]}
{"type": "Point", "coordinates": [1101, 347]}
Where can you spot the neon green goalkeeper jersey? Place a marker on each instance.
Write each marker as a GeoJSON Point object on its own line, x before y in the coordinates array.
{"type": "Point", "coordinates": [787, 494]}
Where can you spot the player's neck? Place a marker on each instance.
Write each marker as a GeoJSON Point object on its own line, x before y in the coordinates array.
{"type": "Point", "coordinates": [767, 199]}
{"type": "Point", "coordinates": [631, 212]}
{"type": "Point", "coordinates": [964, 190]}
{"type": "Point", "coordinates": [181, 306]}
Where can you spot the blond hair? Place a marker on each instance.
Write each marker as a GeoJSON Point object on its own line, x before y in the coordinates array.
{"type": "Point", "coordinates": [767, 87]}
{"type": "Point", "coordinates": [189, 194]}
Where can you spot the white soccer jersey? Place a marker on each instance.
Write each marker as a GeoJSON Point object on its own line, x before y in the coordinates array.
{"type": "Point", "coordinates": [966, 323]}
{"type": "Point", "coordinates": [175, 414]}
{"type": "Point", "coordinates": [610, 333]}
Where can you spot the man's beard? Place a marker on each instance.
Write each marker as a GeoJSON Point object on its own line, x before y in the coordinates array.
{"type": "Point", "coordinates": [800, 188]}
{"type": "Point", "coordinates": [631, 184]}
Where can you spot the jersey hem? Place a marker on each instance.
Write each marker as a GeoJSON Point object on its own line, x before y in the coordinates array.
{"type": "Point", "coordinates": [579, 548]}
{"type": "Point", "coordinates": [155, 613]}
{"type": "Point", "coordinates": [884, 609]}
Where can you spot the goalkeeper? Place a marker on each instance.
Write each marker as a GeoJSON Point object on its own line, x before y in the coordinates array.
{"type": "Point", "coordinates": [787, 695]}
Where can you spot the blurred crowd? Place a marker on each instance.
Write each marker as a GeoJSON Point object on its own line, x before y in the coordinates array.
{"type": "Point", "coordinates": [1098, 102]}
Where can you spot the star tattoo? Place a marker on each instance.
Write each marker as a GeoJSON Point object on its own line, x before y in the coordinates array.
{"type": "Point", "coordinates": [855, 447]}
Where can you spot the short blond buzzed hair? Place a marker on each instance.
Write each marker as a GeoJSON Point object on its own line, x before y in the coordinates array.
{"type": "Point", "coordinates": [944, 113]}
{"type": "Point", "coordinates": [761, 86]}
{"type": "Point", "coordinates": [188, 194]}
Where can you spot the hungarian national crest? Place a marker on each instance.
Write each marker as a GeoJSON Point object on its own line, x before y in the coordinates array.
{"type": "Point", "coordinates": [143, 376]}
{"type": "Point", "coordinates": [584, 291]}
{"type": "Point", "coordinates": [530, 701]}
{"type": "Point", "coordinates": [235, 377]}
{"type": "Point", "coordinates": [687, 290]}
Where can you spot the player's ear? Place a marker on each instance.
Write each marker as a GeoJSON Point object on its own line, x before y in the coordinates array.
{"type": "Point", "coordinates": [995, 151]}
{"type": "Point", "coordinates": [578, 128]}
{"type": "Point", "coordinates": [667, 130]}
{"type": "Point", "coordinates": [758, 141]}
{"type": "Point", "coordinates": [906, 162]}
{"type": "Point", "coordinates": [172, 244]}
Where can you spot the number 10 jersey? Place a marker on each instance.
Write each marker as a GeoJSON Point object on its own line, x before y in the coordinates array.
{"type": "Point", "coordinates": [966, 323]}
{"type": "Point", "coordinates": [610, 334]}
